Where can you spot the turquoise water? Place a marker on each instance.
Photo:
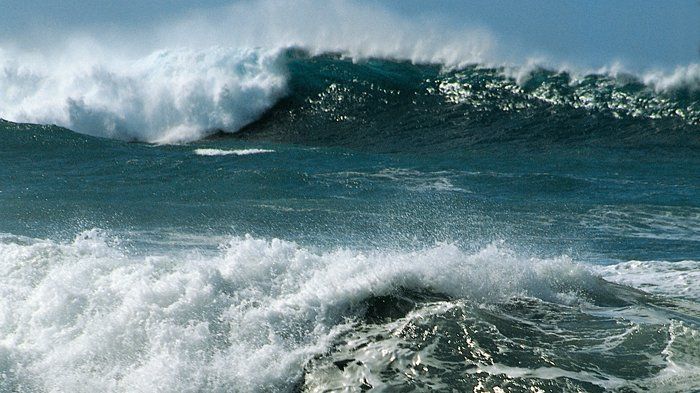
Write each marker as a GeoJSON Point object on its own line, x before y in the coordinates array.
{"type": "Point", "coordinates": [613, 203]}
{"type": "Point", "coordinates": [380, 225]}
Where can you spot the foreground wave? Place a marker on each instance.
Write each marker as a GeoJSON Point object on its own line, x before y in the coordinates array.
{"type": "Point", "coordinates": [183, 95]}
{"type": "Point", "coordinates": [91, 315]}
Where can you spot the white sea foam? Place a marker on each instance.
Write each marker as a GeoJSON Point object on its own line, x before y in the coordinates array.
{"type": "Point", "coordinates": [237, 152]}
{"type": "Point", "coordinates": [683, 77]}
{"type": "Point", "coordinates": [88, 316]}
{"type": "Point", "coordinates": [674, 279]}
{"type": "Point", "coordinates": [410, 179]}
{"type": "Point", "coordinates": [165, 97]}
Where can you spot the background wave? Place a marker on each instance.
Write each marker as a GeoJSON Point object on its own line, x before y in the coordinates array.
{"type": "Point", "coordinates": [183, 95]}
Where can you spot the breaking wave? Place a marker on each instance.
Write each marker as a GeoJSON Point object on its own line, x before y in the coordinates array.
{"type": "Point", "coordinates": [169, 96]}
{"type": "Point", "coordinates": [88, 315]}
{"type": "Point", "coordinates": [182, 95]}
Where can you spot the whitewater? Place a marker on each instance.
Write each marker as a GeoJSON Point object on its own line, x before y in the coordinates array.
{"type": "Point", "coordinates": [167, 83]}
{"type": "Point", "coordinates": [86, 316]}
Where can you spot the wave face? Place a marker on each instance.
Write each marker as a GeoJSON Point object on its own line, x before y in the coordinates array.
{"type": "Point", "coordinates": [184, 95]}
{"type": "Point", "coordinates": [401, 106]}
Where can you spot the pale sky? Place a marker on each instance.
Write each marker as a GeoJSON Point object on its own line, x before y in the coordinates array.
{"type": "Point", "coordinates": [639, 33]}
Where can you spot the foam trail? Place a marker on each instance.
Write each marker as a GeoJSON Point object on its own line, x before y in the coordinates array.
{"type": "Point", "coordinates": [239, 152]}
{"type": "Point", "coordinates": [166, 97]}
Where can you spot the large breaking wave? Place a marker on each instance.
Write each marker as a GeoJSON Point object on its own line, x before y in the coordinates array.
{"type": "Point", "coordinates": [399, 106]}
{"type": "Point", "coordinates": [183, 95]}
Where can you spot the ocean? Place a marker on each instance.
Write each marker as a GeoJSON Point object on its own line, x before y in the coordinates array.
{"type": "Point", "coordinates": [286, 221]}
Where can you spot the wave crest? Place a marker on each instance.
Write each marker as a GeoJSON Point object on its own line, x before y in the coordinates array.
{"type": "Point", "coordinates": [169, 96]}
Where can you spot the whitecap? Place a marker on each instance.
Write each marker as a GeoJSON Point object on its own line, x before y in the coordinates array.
{"type": "Point", "coordinates": [238, 152]}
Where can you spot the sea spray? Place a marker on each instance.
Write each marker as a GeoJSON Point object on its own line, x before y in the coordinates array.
{"type": "Point", "coordinates": [166, 97]}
